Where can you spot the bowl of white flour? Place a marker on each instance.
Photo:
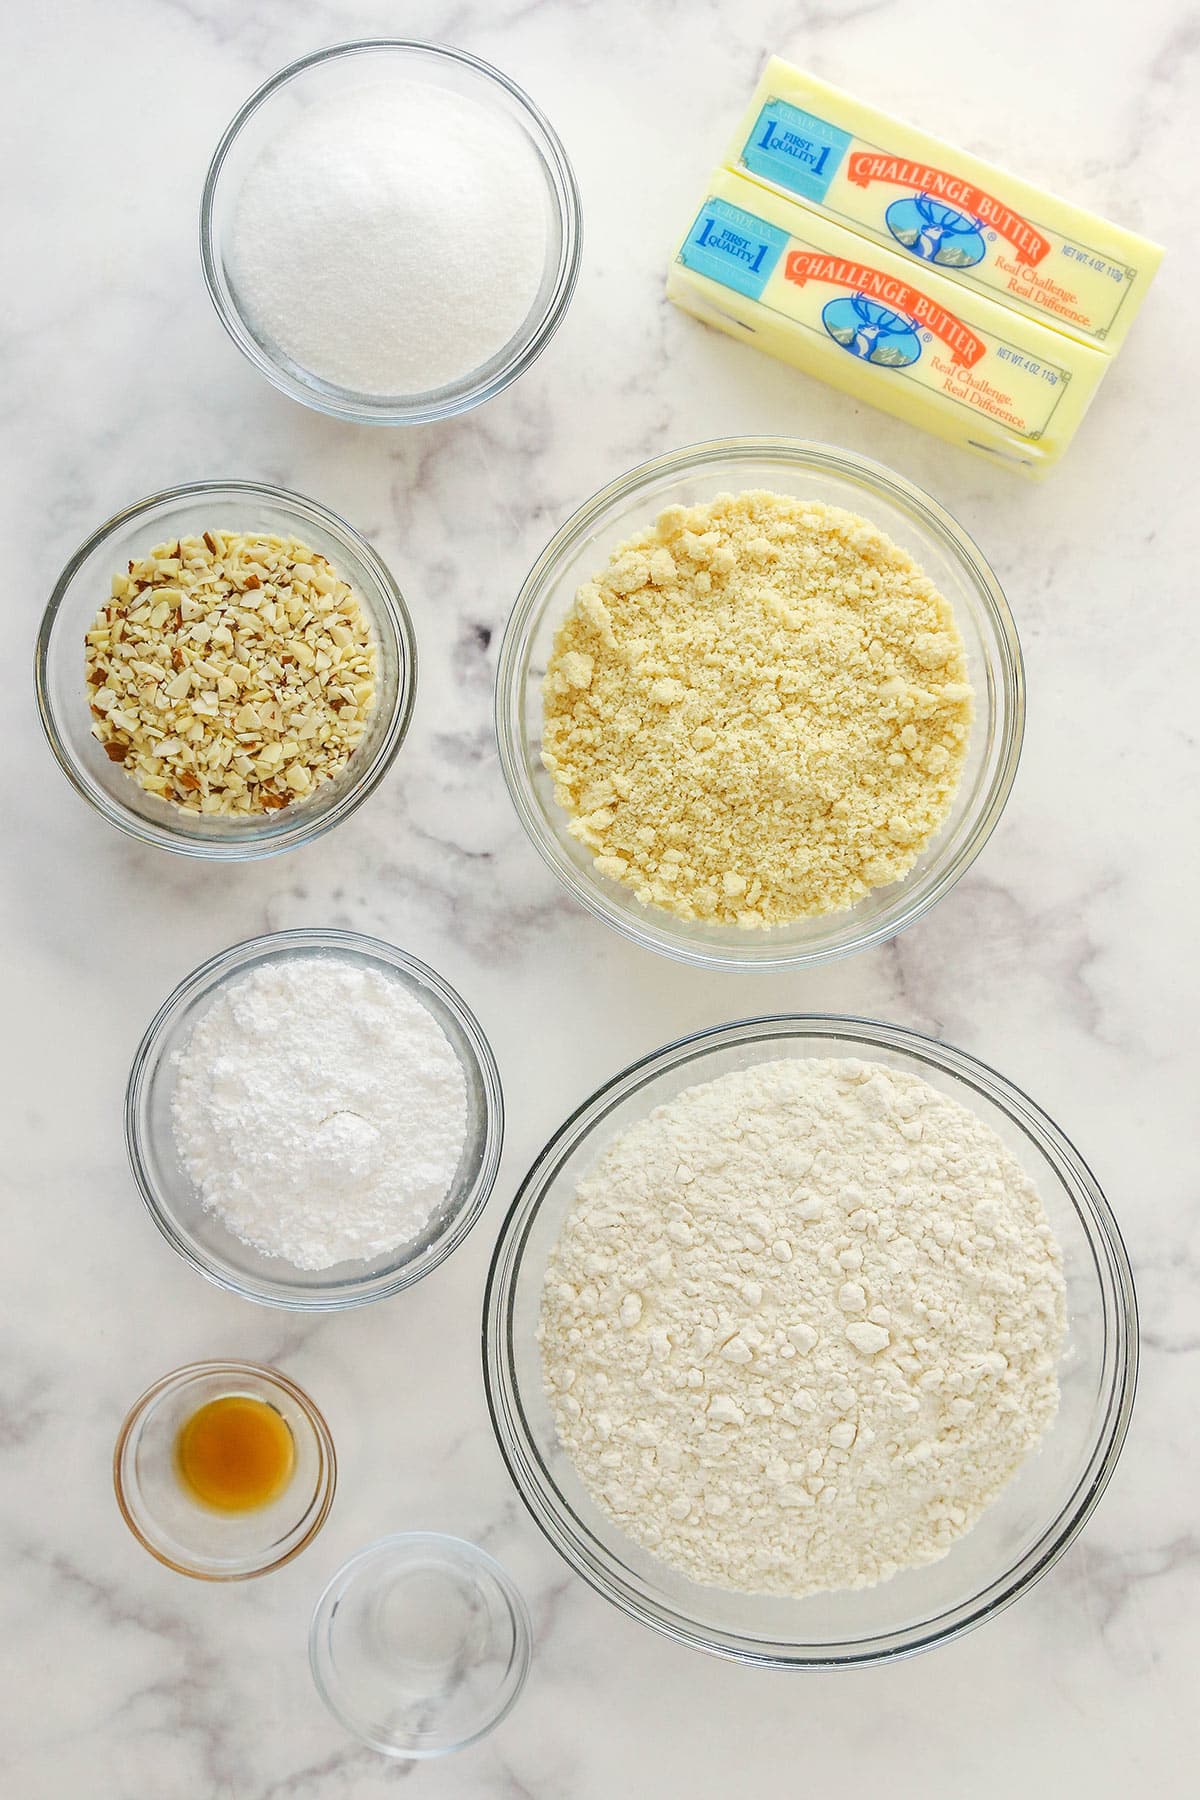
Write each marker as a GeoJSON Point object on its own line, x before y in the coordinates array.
{"type": "Point", "coordinates": [810, 1341]}
{"type": "Point", "coordinates": [314, 1119]}
{"type": "Point", "coordinates": [390, 231]}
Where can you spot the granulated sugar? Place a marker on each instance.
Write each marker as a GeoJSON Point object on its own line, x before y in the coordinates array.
{"type": "Point", "coordinates": [320, 1110]}
{"type": "Point", "coordinates": [392, 241]}
{"type": "Point", "coordinates": [801, 1325]}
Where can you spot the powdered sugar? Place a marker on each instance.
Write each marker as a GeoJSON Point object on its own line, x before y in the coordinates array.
{"type": "Point", "coordinates": [320, 1110]}
{"type": "Point", "coordinates": [393, 241]}
{"type": "Point", "coordinates": [800, 1326]}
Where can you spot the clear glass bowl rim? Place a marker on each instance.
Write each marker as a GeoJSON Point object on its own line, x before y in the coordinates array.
{"type": "Point", "coordinates": [176, 838]}
{"type": "Point", "coordinates": [521, 1456]}
{"type": "Point", "coordinates": [466, 1551]}
{"type": "Point", "coordinates": [425, 409]}
{"type": "Point", "coordinates": [207, 977]}
{"type": "Point", "coordinates": [327, 1474]}
{"type": "Point", "coordinates": [511, 674]}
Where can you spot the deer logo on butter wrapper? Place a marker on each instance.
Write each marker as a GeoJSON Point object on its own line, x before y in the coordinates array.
{"type": "Point", "coordinates": [935, 232]}
{"type": "Point", "coordinates": [872, 332]}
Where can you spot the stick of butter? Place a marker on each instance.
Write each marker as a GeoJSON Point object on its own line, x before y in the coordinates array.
{"type": "Point", "coordinates": [948, 210]}
{"type": "Point", "coordinates": [789, 281]}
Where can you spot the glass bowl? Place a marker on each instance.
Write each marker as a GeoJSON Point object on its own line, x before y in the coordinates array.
{"type": "Point", "coordinates": [201, 1237]}
{"type": "Point", "coordinates": [327, 75]}
{"type": "Point", "coordinates": [189, 1537]}
{"type": "Point", "coordinates": [420, 1644]}
{"type": "Point", "coordinates": [810, 472]}
{"type": "Point", "coordinates": [1021, 1534]}
{"type": "Point", "coordinates": [83, 587]}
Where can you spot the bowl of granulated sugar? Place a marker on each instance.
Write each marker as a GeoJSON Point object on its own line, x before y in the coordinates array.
{"type": "Point", "coordinates": [314, 1119]}
{"type": "Point", "coordinates": [390, 231]}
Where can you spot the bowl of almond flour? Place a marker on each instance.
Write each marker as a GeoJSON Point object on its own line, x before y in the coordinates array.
{"type": "Point", "coordinates": [810, 1341]}
{"type": "Point", "coordinates": [314, 1119]}
{"type": "Point", "coordinates": [759, 703]}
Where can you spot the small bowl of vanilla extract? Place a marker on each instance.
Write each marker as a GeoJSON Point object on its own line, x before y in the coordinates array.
{"type": "Point", "coordinates": [224, 1470]}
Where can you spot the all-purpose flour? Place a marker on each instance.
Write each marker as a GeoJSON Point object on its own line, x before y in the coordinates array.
{"type": "Point", "coordinates": [801, 1325]}
{"type": "Point", "coordinates": [320, 1110]}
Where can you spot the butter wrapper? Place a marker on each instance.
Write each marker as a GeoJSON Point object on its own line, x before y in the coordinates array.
{"type": "Point", "coordinates": [790, 282]}
{"type": "Point", "coordinates": [986, 230]}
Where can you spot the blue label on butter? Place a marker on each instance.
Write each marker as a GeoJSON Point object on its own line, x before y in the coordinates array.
{"type": "Point", "coordinates": [795, 149]}
{"type": "Point", "coordinates": [733, 247]}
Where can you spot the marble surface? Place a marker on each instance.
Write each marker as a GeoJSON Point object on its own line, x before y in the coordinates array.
{"type": "Point", "coordinates": [1064, 958]}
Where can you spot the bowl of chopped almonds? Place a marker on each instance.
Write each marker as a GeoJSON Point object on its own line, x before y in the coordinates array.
{"type": "Point", "coordinates": [225, 669]}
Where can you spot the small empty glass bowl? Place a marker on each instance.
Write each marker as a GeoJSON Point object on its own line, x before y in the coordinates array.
{"type": "Point", "coordinates": [810, 472]}
{"type": "Point", "coordinates": [201, 1238]}
{"type": "Point", "coordinates": [192, 1538]}
{"type": "Point", "coordinates": [84, 587]}
{"type": "Point", "coordinates": [326, 76]}
{"type": "Point", "coordinates": [420, 1644]}
{"type": "Point", "coordinates": [1019, 1537]}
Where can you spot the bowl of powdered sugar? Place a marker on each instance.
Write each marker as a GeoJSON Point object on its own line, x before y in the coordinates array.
{"type": "Point", "coordinates": [810, 1341]}
{"type": "Point", "coordinates": [314, 1119]}
{"type": "Point", "coordinates": [390, 231]}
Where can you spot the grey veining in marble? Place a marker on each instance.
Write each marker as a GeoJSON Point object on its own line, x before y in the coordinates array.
{"type": "Point", "coordinates": [1066, 957]}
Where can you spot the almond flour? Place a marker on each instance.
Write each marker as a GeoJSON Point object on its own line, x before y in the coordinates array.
{"type": "Point", "coordinates": [758, 711]}
{"type": "Point", "coordinates": [801, 1325]}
